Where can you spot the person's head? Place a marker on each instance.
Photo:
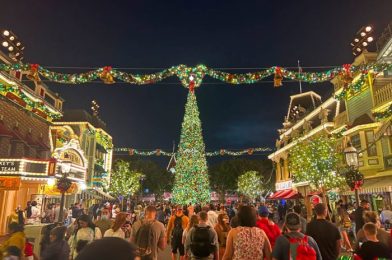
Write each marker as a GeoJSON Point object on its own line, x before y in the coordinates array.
{"type": "Point", "coordinates": [14, 251]}
{"type": "Point", "coordinates": [34, 203]}
{"type": "Point", "coordinates": [28, 203]}
{"type": "Point", "coordinates": [108, 248]}
{"type": "Point", "coordinates": [263, 211]}
{"type": "Point", "coordinates": [370, 231]}
{"type": "Point", "coordinates": [320, 210]}
{"type": "Point", "coordinates": [14, 227]}
{"type": "Point", "coordinates": [371, 217]}
{"type": "Point", "coordinates": [85, 221]}
{"type": "Point", "coordinates": [293, 222]}
{"type": "Point", "coordinates": [150, 212]}
{"type": "Point", "coordinates": [203, 216]}
{"type": "Point", "coordinates": [212, 207]}
{"type": "Point", "coordinates": [105, 214]}
{"type": "Point", "coordinates": [193, 221]}
{"type": "Point", "coordinates": [297, 209]}
{"type": "Point", "coordinates": [58, 233]}
{"type": "Point", "coordinates": [120, 220]}
{"type": "Point", "coordinates": [179, 210]}
{"type": "Point", "coordinates": [365, 204]}
{"type": "Point", "coordinates": [247, 216]}
{"type": "Point", "coordinates": [223, 219]}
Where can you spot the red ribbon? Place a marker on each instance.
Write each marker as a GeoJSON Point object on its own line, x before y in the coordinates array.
{"type": "Point", "coordinates": [34, 67]}
{"type": "Point", "coordinates": [347, 67]}
{"type": "Point", "coordinates": [192, 86]}
{"type": "Point", "coordinates": [278, 71]}
{"type": "Point", "coordinates": [107, 69]}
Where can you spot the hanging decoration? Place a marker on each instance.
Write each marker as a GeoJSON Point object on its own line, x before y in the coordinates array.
{"type": "Point", "coordinates": [221, 152]}
{"type": "Point", "coordinates": [278, 77]}
{"type": "Point", "coordinates": [108, 74]}
{"type": "Point", "coordinates": [354, 179]}
{"type": "Point", "coordinates": [63, 184]}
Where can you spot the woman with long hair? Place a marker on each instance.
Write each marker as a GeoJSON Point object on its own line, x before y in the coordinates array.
{"type": "Point", "coordinates": [344, 225]}
{"type": "Point", "coordinates": [116, 230]}
{"type": "Point", "coordinates": [86, 231]}
{"type": "Point", "coordinates": [222, 228]}
{"type": "Point", "coordinates": [194, 220]}
{"type": "Point", "coordinates": [247, 241]}
{"type": "Point", "coordinates": [58, 248]}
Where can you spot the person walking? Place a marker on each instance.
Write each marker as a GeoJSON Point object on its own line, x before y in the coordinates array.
{"type": "Point", "coordinates": [148, 235]}
{"type": "Point", "coordinates": [222, 229]}
{"type": "Point", "coordinates": [386, 215]}
{"type": "Point", "coordinates": [58, 248]}
{"type": "Point", "coordinates": [193, 221]}
{"type": "Point", "coordinates": [294, 244]}
{"type": "Point", "coordinates": [382, 235]}
{"type": "Point", "coordinates": [298, 209]}
{"type": "Point", "coordinates": [202, 240]}
{"type": "Point", "coordinates": [16, 238]}
{"type": "Point", "coordinates": [177, 223]}
{"type": "Point", "coordinates": [372, 248]}
{"type": "Point", "coordinates": [104, 222]}
{"type": "Point", "coordinates": [86, 232]}
{"type": "Point", "coordinates": [344, 225]}
{"type": "Point", "coordinates": [212, 216]}
{"type": "Point", "coordinates": [359, 221]}
{"type": "Point", "coordinates": [325, 233]}
{"type": "Point", "coordinates": [116, 230]}
{"type": "Point", "coordinates": [269, 227]}
{"type": "Point", "coordinates": [247, 242]}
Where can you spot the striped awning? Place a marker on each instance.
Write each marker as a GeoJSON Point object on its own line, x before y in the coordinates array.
{"type": "Point", "coordinates": [373, 185]}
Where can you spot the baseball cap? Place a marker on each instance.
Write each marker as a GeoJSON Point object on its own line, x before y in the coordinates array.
{"type": "Point", "coordinates": [293, 221]}
{"type": "Point", "coordinates": [263, 211]}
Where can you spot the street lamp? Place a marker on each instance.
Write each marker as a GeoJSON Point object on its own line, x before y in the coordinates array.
{"type": "Point", "coordinates": [351, 156]}
{"type": "Point", "coordinates": [63, 185]}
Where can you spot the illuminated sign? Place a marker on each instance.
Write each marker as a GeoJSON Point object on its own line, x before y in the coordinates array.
{"type": "Point", "coordinates": [9, 166]}
{"type": "Point", "coordinates": [9, 183]}
{"type": "Point", "coordinates": [284, 185]}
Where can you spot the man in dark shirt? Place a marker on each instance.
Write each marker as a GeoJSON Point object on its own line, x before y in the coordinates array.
{"type": "Point", "coordinates": [359, 222]}
{"type": "Point", "coordinates": [372, 248]}
{"type": "Point", "coordinates": [325, 233]}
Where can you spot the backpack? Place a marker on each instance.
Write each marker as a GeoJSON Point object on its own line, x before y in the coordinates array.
{"type": "Point", "coordinates": [201, 242]}
{"type": "Point", "coordinates": [177, 230]}
{"type": "Point", "coordinates": [300, 248]}
{"type": "Point", "coordinates": [144, 240]}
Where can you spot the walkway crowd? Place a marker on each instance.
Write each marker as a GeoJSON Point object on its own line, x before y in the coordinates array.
{"type": "Point", "coordinates": [238, 231]}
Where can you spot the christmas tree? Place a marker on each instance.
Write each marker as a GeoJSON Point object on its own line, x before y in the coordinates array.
{"type": "Point", "coordinates": [191, 180]}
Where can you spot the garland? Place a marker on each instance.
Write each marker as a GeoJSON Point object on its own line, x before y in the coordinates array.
{"type": "Point", "coordinates": [384, 114]}
{"type": "Point", "coordinates": [354, 179]}
{"type": "Point", "coordinates": [19, 97]}
{"type": "Point", "coordinates": [221, 152]}
{"type": "Point", "coordinates": [191, 77]}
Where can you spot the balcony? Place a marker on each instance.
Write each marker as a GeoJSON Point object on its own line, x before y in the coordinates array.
{"type": "Point", "coordinates": [341, 119]}
{"type": "Point", "coordinates": [383, 95]}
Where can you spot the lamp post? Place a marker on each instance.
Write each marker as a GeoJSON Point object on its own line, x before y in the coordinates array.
{"type": "Point", "coordinates": [63, 185]}
{"type": "Point", "coordinates": [351, 157]}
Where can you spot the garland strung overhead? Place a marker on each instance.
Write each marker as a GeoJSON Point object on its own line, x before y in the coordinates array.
{"type": "Point", "coordinates": [221, 152]}
{"type": "Point", "coordinates": [192, 77]}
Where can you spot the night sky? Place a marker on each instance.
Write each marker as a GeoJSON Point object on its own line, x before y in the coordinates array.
{"type": "Point", "coordinates": [159, 34]}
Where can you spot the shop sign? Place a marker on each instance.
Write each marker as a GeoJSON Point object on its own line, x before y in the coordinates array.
{"type": "Point", "coordinates": [285, 185]}
{"type": "Point", "coordinates": [9, 166]}
{"type": "Point", "coordinates": [9, 183]}
{"type": "Point", "coordinates": [388, 161]}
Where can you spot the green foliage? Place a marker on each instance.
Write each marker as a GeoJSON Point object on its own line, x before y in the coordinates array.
{"type": "Point", "coordinates": [191, 177]}
{"type": "Point", "coordinates": [124, 181]}
{"type": "Point", "coordinates": [224, 175]}
{"type": "Point", "coordinates": [250, 184]}
{"type": "Point", "coordinates": [316, 161]}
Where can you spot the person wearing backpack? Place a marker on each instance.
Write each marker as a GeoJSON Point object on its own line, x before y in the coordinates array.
{"type": "Point", "coordinates": [177, 223]}
{"type": "Point", "coordinates": [294, 245]}
{"type": "Point", "coordinates": [202, 240]}
{"type": "Point", "coordinates": [325, 233]}
{"type": "Point", "coordinates": [148, 235]}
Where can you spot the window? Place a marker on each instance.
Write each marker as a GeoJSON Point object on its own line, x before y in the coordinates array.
{"type": "Point", "coordinates": [356, 142]}
{"type": "Point", "coordinates": [370, 145]}
{"type": "Point", "coordinates": [49, 99]}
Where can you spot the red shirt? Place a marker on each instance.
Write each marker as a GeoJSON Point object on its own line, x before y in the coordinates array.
{"type": "Point", "coordinates": [271, 230]}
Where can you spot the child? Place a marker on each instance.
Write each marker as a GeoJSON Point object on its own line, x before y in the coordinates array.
{"type": "Point", "coordinates": [372, 248]}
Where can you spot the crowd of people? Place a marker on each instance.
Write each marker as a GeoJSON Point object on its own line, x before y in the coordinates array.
{"type": "Point", "coordinates": [237, 231]}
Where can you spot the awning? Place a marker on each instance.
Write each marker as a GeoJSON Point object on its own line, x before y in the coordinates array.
{"type": "Point", "coordinates": [373, 185]}
{"type": "Point", "coordinates": [98, 194]}
{"type": "Point", "coordinates": [285, 194]}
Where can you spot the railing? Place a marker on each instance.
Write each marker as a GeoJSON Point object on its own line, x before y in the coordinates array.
{"type": "Point", "coordinates": [383, 95]}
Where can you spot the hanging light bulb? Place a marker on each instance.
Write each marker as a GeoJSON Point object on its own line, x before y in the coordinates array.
{"type": "Point", "coordinates": [363, 34]}
{"type": "Point", "coordinates": [6, 33]}
{"type": "Point", "coordinates": [5, 44]}
{"type": "Point", "coordinates": [370, 39]}
{"type": "Point", "coordinates": [10, 48]}
{"type": "Point", "coordinates": [368, 28]}
{"type": "Point", "coordinates": [365, 44]}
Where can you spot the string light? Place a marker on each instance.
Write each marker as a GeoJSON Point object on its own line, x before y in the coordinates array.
{"type": "Point", "coordinates": [249, 184]}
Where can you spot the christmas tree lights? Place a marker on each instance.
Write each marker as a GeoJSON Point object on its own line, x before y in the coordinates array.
{"type": "Point", "coordinates": [123, 181]}
{"type": "Point", "coordinates": [316, 160]}
{"type": "Point", "coordinates": [191, 183]}
{"type": "Point", "coordinates": [249, 184]}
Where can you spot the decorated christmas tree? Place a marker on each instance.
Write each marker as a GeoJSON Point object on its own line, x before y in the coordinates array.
{"type": "Point", "coordinates": [191, 178]}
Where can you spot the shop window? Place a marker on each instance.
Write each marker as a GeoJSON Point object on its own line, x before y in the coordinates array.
{"type": "Point", "coordinates": [371, 146]}
{"type": "Point", "coordinates": [356, 142]}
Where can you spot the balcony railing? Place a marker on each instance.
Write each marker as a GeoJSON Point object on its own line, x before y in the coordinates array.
{"type": "Point", "coordinates": [383, 95]}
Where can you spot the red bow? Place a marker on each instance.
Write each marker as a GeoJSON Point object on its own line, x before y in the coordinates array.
{"type": "Point", "coordinates": [34, 67]}
{"type": "Point", "coordinates": [192, 86]}
{"type": "Point", "coordinates": [107, 69]}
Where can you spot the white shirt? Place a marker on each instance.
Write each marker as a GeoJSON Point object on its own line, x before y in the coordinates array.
{"type": "Point", "coordinates": [212, 218]}
{"type": "Point", "coordinates": [119, 233]}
